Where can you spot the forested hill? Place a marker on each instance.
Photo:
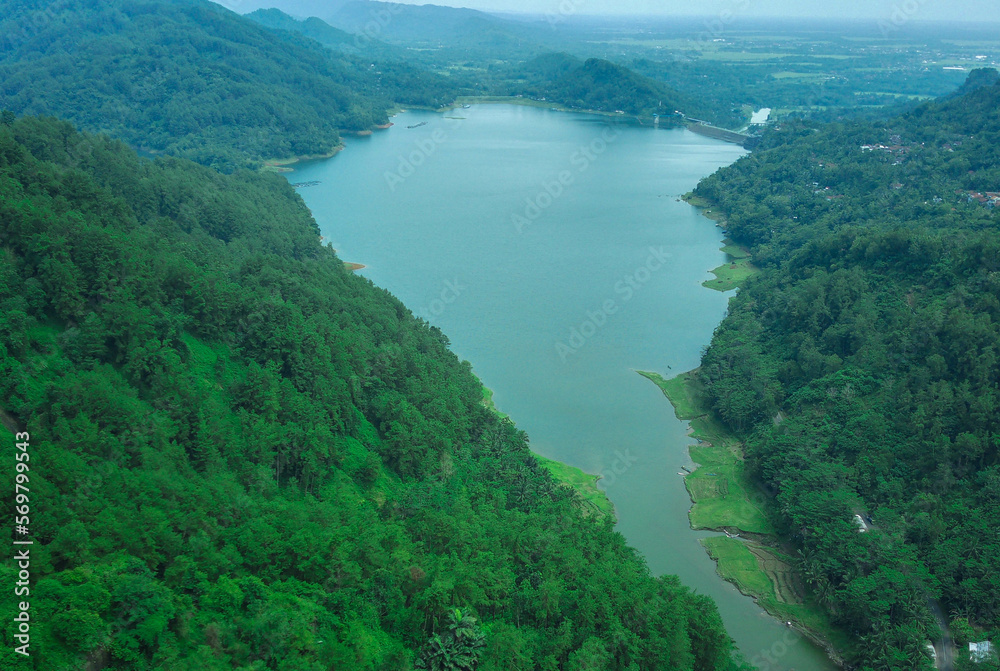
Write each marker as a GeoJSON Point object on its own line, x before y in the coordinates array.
{"type": "Point", "coordinates": [191, 78]}
{"type": "Point", "coordinates": [594, 84]}
{"type": "Point", "coordinates": [862, 365]}
{"type": "Point", "coordinates": [320, 31]}
{"type": "Point", "coordinates": [244, 456]}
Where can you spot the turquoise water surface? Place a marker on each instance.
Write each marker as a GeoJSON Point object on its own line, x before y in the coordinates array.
{"type": "Point", "coordinates": [553, 251]}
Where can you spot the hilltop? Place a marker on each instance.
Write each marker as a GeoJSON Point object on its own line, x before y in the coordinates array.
{"type": "Point", "coordinates": [192, 79]}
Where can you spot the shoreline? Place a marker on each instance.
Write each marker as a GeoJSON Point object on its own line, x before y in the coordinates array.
{"type": "Point", "coordinates": [281, 164]}
{"type": "Point", "coordinates": [751, 556]}
{"type": "Point", "coordinates": [725, 499]}
{"type": "Point", "coordinates": [739, 267]}
{"type": "Point", "coordinates": [351, 266]}
{"type": "Point", "coordinates": [592, 500]}
{"type": "Point", "coordinates": [554, 106]}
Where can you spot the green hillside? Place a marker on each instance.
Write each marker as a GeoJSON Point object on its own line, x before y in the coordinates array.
{"type": "Point", "coordinates": [861, 364]}
{"type": "Point", "coordinates": [594, 84]}
{"type": "Point", "coordinates": [190, 78]}
{"type": "Point", "coordinates": [243, 456]}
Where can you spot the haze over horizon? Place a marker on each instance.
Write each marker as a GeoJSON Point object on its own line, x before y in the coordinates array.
{"type": "Point", "coordinates": [915, 10]}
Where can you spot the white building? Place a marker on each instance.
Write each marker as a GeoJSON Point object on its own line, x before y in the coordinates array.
{"type": "Point", "coordinates": [980, 652]}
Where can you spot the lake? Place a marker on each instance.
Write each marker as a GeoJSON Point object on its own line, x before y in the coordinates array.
{"type": "Point", "coordinates": [554, 252]}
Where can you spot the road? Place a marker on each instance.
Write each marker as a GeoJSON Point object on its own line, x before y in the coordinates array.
{"type": "Point", "coordinates": [945, 647]}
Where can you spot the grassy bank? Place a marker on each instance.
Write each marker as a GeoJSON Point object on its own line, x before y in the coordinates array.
{"type": "Point", "coordinates": [592, 500]}
{"type": "Point", "coordinates": [768, 576]}
{"type": "Point", "coordinates": [725, 498]}
{"type": "Point", "coordinates": [282, 164]}
{"type": "Point", "coordinates": [734, 271]}
{"type": "Point", "coordinates": [490, 405]}
{"type": "Point", "coordinates": [723, 495]}
{"type": "Point", "coordinates": [738, 266]}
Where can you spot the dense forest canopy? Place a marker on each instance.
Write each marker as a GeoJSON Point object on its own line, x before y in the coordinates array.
{"type": "Point", "coordinates": [246, 457]}
{"type": "Point", "coordinates": [190, 78]}
{"type": "Point", "coordinates": [594, 84]}
{"type": "Point", "coordinates": [861, 365]}
{"type": "Point", "coordinates": [252, 459]}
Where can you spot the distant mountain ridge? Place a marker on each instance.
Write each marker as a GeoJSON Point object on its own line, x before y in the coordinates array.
{"type": "Point", "coordinates": [441, 28]}
{"type": "Point", "coordinates": [191, 78]}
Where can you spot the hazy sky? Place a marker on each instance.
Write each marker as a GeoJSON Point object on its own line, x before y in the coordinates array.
{"type": "Point", "coordinates": [925, 10]}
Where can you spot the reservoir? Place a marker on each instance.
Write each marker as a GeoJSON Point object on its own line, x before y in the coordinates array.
{"type": "Point", "coordinates": [553, 251]}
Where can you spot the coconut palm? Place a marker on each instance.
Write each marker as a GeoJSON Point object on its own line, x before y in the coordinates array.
{"type": "Point", "coordinates": [457, 650]}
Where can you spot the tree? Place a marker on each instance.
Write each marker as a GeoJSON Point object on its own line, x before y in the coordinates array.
{"type": "Point", "coordinates": [458, 649]}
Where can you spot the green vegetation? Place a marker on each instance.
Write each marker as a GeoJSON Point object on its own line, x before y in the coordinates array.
{"type": "Point", "coordinates": [678, 392]}
{"type": "Point", "coordinates": [732, 274]}
{"type": "Point", "coordinates": [596, 84]}
{"type": "Point", "coordinates": [795, 74]}
{"type": "Point", "coordinates": [490, 405]}
{"type": "Point", "coordinates": [723, 495]}
{"type": "Point", "coordinates": [860, 365]}
{"type": "Point", "coordinates": [192, 79]}
{"type": "Point", "coordinates": [442, 34]}
{"type": "Point", "coordinates": [739, 267]}
{"type": "Point", "coordinates": [726, 497]}
{"type": "Point", "coordinates": [592, 499]}
{"type": "Point", "coordinates": [772, 580]}
{"type": "Point", "coordinates": [245, 456]}
{"type": "Point", "coordinates": [739, 565]}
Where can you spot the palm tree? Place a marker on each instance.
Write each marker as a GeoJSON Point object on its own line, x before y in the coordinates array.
{"type": "Point", "coordinates": [457, 650]}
